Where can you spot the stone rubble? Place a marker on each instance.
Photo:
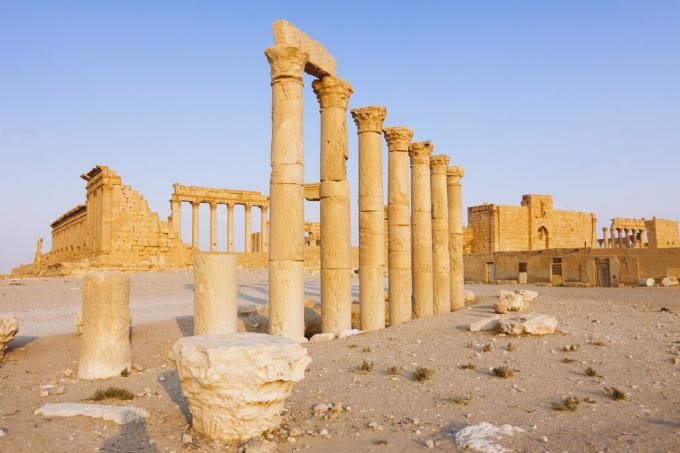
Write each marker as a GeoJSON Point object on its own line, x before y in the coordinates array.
{"type": "Point", "coordinates": [529, 324]}
{"type": "Point", "coordinates": [8, 330]}
{"type": "Point", "coordinates": [118, 414]}
{"type": "Point", "coordinates": [510, 302]}
{"type": "Point", "coordinates": [483, 436]}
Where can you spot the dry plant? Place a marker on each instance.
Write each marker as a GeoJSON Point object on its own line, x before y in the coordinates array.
{"type": "Point", "coordinates": [112, 393]}
{"type": "Point", "coordinates": [571, 348]}
{"type": "Point", "coordinates": [568, 360]}
{"type": "Point", "coordinates": [486, 348]}
{"type": "Point", "coordinates": [468, 366]}
{"type": "Point", "coordinates": [614, 393]}
{"type": "Point", "coordinates": [502, 372]}
{"type": "Point", "coordinates": [366, 349]}
{"type": "Point", "coordinates": [365, 367]}
{"type": "Point", "coordinates": [510, 347]}
{"type": "Point", "coordinates": [462, 400]}
{"type": "Point", "coordinates": [422, 374]}
{"type": "Point", "coordinates": [591, 372]}
{"type": "Point", "coordinates": [568, 404]}
{"type": "Point", "coordinates": [393, 370]}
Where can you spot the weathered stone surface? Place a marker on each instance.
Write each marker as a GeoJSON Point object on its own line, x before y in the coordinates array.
{"type": "Point", "coordinates": [215, 294]}
{"type": "Point", "coordinates": [105, 349]}
{"type": "Point", "coordinates": [8, 330]}
{"type": "Point", "coordinates": [489, 323]}
{"type": "Point", "coordinates": [117, 414]}
{"type": "Point", "coordinates": [319, 337]}
{"type": "Point", "coordinates": [237, 384]}
{"type": "Point", "coordinates": [441, 266]}
{"type": "Point", "coordinates": [529, 324]}
{"type": "Point", "coordinates": [527, 294]}
{"type": "Point", "coordinates": [482, 437]}
{"type": "Point", "coordinates": [510, 302]}
{"type": "Point", "coordinates": [320, 63]}
{"type": "Point", "coordinates": [669, 281]}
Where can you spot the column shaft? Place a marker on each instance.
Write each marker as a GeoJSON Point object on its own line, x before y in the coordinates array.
{"type": "Point", "coordinates": [176, 216]}
{"type": "Point", "coordinates": [215, 294]}
{"type": "Point", "coordinates": [421, 229]}
{"type": "Point", "coordinates": [230, 227]}
{"type": "Point", "coordinates": [399, 224]}
{"type": "Point", "coordinates": [263, 229]}
{"type": "Point", "coordinates": [369, 122]}
{"type": "Point", "coordinates": [453, 177]}
{"type": "Point", "coordinates": [213, 227]}
{"type": "Point", "coordinates": [441, 269]}
{"type": "Point", "coordinates": [249, 237]}
{"type": "Point", "coordinates": [286, 245]}
{"type": "Point", "coordinates": [605, 238]}
{"type": "Point", "coordinates": [336, 248]}
{"type": "Point", "coordinates": [194, 224]}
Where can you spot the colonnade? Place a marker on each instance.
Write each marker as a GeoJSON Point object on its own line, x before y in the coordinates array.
{"type": "Point", "coordinates": [425, 258]}
{"type": "Point", "coordinates": [176, 220]}
{"type": "Point", "coordinates": [622, 237]}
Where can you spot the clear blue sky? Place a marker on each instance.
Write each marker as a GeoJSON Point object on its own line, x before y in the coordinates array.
{"type": "Point", "coordinates": [578, 99]}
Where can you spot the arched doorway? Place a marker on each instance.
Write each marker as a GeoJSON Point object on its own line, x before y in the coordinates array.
{"type": "Point", "coordinates": [543, 241]}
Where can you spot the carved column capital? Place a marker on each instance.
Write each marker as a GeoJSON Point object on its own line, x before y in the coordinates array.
{"type": "Point", "coordinates": [398, 138]}
{"type": "Point", "coordinates": [454, 175]}
{"type": "Point", "coordinates": [369, 119]}
{"type": "Point", "coordinates": [420, 152]}
{"type": "Point", "coordinates": [332, 92]}
{"type": "Point", "coordinates": [286, 62]}
{"type": "Point", "coordinates": [439, 163]}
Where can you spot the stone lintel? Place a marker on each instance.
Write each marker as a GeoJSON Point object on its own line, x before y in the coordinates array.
{"type": "Point", "coordinates": [320, 63]}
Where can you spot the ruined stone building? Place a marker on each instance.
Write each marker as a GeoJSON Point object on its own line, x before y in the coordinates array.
{"type": "Point", "coordinates": [534, 225]}
{"type": "Point", "coordinates": [640, 233]}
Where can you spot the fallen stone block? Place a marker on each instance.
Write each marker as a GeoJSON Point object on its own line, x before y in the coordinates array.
{"type": "Point", "coordinates": [510, 302]}
{"type": "Point", "coordinates": [667, 282]}
{"type": "Point", "coordinates": [350, 332]}
{"type": "Point", "coordinates": [483, 437]}
{"type": "Point", "coordinates": [328, 336]}
{"type": "Point", "coordinates": [117, 414]}
{"type": "Point", "coordinates": [470, 297]}
{"type": "Point", "coordinates": [529, 324]}
{"type": "Point", "coordinates": [527, 294]}
{"type": "Point", "coordinates": [490, 323]}
{"type": "Point", "coordinates": [647, 282]}
{"type": "Point", "coordinates": [8, 330]}
{"type": "Point", "coordinates": [237, 384]}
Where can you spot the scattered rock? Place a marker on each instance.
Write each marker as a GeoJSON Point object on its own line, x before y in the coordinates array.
{"type": "Point", "coordinates": [260, 446]}
{"type": "Point", "coordinates": [350, 332]}
{"type": "Point", "coordinates": [429, 443]}
{"type": "Point", "coordinates": [469, 296]}
{"type": "Point", "coordinates": [323, 432]}
{"type": "Point", "coordinates": [187, 439]}
{"type": "Point", "coordinates": [68, 372]}
{"type": "Point", "coordinates": [510, 302]}
{"type": "Point", "coordinates": [481, 437]}
{"type": "Point", "coordinates": [488, 323]}
{"type": "Point", "coordinates": [60, 390]}
{"type": "Point", "coordinates": [530, 324]}
{"type": "Point", "coordinates": [137, 367]}
{"type": "Point", "coordinates": [669, 281]}
{"type": "Point", "coordinates": [648, 282]}
{"type": "Point", "coordinates": [117, 414]}
{"type": "Point", "coordinates": [44, 393]}
{"type": "Point", "coordinates": [8, 330]}
{"type": "Point", "coordinates": [3, 432]}
{"type": "Point", "coordinates": [527, 294]}
{"type": "Point", "coordinates": [323, 337]}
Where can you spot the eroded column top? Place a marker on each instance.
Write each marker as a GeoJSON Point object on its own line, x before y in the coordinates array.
{"type": "Point", "coordinates": [369, 119]}
{"type": "Point", "coordinates": [286, 62]}
{"type": "Point", "coordinates": [420, 152]}
{"type": "Point", "coordinates": [439, 163]}
{"type": "Point", "coordinates": [398, 138]}
{"type": "Point", "coordinates": [332, 92]}
{"type": "Point", "coordinates": [454, 174]}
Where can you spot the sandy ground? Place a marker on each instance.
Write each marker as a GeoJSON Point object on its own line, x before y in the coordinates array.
{"type": "Point", "coordinates": [622, 333]}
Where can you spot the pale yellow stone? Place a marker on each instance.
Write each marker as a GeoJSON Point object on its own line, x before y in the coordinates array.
{"type": "Point", "coordinates": [455, 205]}
{"type": "Point", "coordinates": [105, 349]}
{"type": "Point", "coordinates": [440, 235]}
{"type": "Point", "coordinates": [8, 330]}
{"type": "Point", "coordinates": [237, 384]}
{"type": "Point", "coordinates": [215, 294]}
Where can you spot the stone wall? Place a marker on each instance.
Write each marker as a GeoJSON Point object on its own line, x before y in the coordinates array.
{"type": "Point", "coordinates": [662, 233]}
{"type": "Point", "coordinates": [534, 225]}
{"type": "Point", "coordinates": [578, 266]}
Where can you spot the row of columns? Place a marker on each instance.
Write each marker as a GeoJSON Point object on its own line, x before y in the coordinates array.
{"type": "Point", "coordinates": [623, 237]}
{"type": "Point", "coordinates": [424, 245]}
{"type": "Point", "coordinates": [175, 219]}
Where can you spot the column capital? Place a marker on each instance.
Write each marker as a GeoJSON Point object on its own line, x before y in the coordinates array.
{"type": "Point", "coordinates": [439, 163]}
{"type": "Point", "coordinates": [286, 62]}
{"type": "Point", "coordinates": [369, 119]}
{"type": "Point", "coordinates": [420, 152]}
{"type": "Point", "coordinates": [398, 138]}
{"type": "Point", "coordinates": [455, 172]}
{"type": "Point", "coordinates": [195, 204]}
{"type": "Point", "coordinates": [332, 92]}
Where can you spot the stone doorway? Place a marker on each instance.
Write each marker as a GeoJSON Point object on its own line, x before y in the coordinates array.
{"type": "Point", "coordinates": [489, 272]}
{"type": "Point", "coordinates": [603, 272]}
{"type": "Point", "coordinates": [543, 243]}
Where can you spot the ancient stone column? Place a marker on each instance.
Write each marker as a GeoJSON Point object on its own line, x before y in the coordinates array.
{"type": "Point", "coordinates": [249, 238]}
{"type": "Point", "coordinates": [230, 227]}
{"type": "Point", "coordinates": [369, 122]}
{"type": "Point", "coordinates": [237, 385]}
{"type": "Point", "coordinates": [441, 270]}
{"type": "Point", "coordinates": [213, 226]}
{"type": "Point", "coordinates": [194, 224]}
{"type": "Point", "coordinates": [605, 238]}
{"type": "Point", "coordinates": [399, 224]}
{"type": "Point", "coordinates": [176, 216]}
{"type": "Point", "coordinates": [336, 248]}
{"type": "Point", "coordinates": [613, 237]}
{"type": "Point", "coordinates": [105, 349]}
{"type": "Point", "coordinates": [286, 234]}
{"type": "Point", "coordinates": [263, 229]}
{"type": "Point", "coordinates": [421, 229]}
{"type": "Point", "coordinates": [453, 177]}
{"type": "Point", "coordinates": [215, 294]}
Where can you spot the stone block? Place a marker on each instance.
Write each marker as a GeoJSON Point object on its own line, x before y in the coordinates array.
{"type": "Point", "coordinates": [529, 324]}
{"type": "Point", "coordinates": [8, 330]}
{"type": "Point", "coordinates": [118, 414]}
{"type": "Point", "coordinates": [237, 384]}
{"type": "Point", "coordinates": [320, 62]}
